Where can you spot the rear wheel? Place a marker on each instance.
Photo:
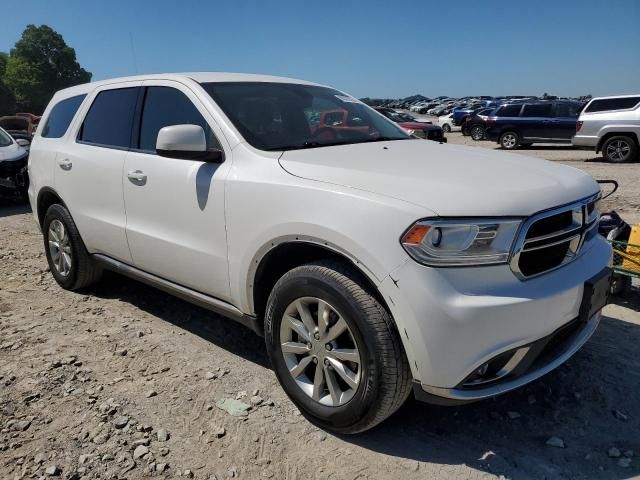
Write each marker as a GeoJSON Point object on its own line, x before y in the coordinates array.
{"type": "Point", "coordinates": [477, 132]}
{"type": "Point", "coordinates": [619, 149]}
{"type": "Point", "coordinates": [509, 140]}
{"type": "Point", "coordinates": [70, 263]}
{"type": "Point", "coordinates": [334, 348]}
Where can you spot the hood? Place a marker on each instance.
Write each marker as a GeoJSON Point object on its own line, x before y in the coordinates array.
{"type": "Point", "coordinates": [12, 152]}
{"type": "Point", "coordinates": [418, 125]}
{"type": "Point", "coordinates": [450, 180]}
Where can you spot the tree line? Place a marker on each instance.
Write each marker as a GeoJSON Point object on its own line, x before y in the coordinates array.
{"type": "Point", "coordinates": [40, 64]}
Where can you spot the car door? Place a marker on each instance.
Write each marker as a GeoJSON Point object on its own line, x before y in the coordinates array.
{"type": "Point", "coordinates": [88, 169]}
{"type": "Point", "coordinates": [565, 118]}
{"type": "Point", "coordinates": [536, 121]}
{"type": "Point", "coordinates": [175, 207]}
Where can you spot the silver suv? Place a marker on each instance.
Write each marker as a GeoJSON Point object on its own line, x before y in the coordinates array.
{"type": "Point", "coordinates": [611, 125]}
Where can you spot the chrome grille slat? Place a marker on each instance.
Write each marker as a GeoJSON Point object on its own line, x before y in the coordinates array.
{"type": "Point", "coordinates": [533, 256]}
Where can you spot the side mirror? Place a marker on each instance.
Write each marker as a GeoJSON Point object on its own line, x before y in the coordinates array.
{"type": "Point", "coordinates": [187, 142]}
{"type": "Point", "coordinates": [23, 142]}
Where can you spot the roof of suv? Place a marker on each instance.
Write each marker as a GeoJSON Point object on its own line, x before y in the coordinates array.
{"type": "Point", "coordinates": [200, 77]}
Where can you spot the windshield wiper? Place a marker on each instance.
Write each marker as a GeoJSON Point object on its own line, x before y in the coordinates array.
{"type": "Point", "coordinates": [314, 144]}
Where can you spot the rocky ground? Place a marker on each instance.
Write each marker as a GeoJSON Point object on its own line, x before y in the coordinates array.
{"type": "Point", "coordinates": [124, 382]}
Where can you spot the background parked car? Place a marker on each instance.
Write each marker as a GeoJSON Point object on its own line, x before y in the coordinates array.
{"type": "Point", "coordinates": [446, 122]}
{"type": "Point", "coordinates": [611, 124]}
{"type": "Point", "coordinates": [519, 124]}
{"type": "Point", "coordinates": [475, 125]}
{"type": "Point", "coordinates": [424, 130]}
{"type": "Point", "coordinates": [13, 164]}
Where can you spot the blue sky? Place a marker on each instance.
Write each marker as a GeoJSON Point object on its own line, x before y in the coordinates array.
{"type": "Point", "coordinates": [389, 48]}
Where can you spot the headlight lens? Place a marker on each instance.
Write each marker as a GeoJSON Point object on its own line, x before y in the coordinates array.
{"type": "Point", "coordinates": [441, 243]}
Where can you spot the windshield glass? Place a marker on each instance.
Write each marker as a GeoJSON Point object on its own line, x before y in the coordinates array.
{"type": "Point", "coordinates": [284, 116]}
{"type": "Point", "coordinates": [5, 139]}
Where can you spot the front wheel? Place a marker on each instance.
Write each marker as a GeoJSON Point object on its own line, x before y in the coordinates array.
{"type": "Point", "coordinates": [509, 140]}
{"type": "Point", "coordinates": [334, 348]}
{"type": "Point", "coordinates": [446, 128]}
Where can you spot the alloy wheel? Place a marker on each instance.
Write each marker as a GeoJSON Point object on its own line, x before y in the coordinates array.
{"type": "Point", "coordinates": [320, 351]}
{"type": "Point", "coordinates": [477, 133]}
{"type": "Point", "coordinates": [509, 140]}
{"type": "Point", "coordinates": [60, 248]}
{"type": "Point", "coordinates": [618, 151]}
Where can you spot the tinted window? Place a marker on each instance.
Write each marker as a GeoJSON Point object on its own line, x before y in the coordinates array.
{"type": "Point", "coordinates": [110, 118]}
{"type": "Point", "coordinates": [509, 111]}
{"type": "Point", "coordinates": [567, 110]}
{"type": "Point", "coordinates": [61, 116]}
{"type": "Point", "coordinates": [166, 106]}
{"type": "Point", "coordinates": [612, 104]}
{"type": "Point", "coordinates": [537, 110]}
{"type": "Point", "coordinates": [5, 139]}
{"type": "Point", "coordinates": [283, 116]}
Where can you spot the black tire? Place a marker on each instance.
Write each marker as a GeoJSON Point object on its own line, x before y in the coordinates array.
{"type": "Point", "coordinates": [620, 149]}
{"type": "Point", "coordinates": [83, 270]}
{"type": "Point", "coordinates": [477, 132]}
{"type": "Point", "coordinates": [509, 140]}
{"type": "Point", "coordinates": [385, 378]}
{"type": "Point", "coordinates": [446, 128]}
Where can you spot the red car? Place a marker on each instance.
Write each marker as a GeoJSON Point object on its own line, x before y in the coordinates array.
{"type": "Point", "coordinates": [417, 129]}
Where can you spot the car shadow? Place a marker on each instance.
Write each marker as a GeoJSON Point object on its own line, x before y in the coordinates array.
{"type": "Point", "coordinates": [212, 327]}
{"type": "Point", "coordinates": [10, 206]}
{"type": "Point", "coordinates": [505, 435]}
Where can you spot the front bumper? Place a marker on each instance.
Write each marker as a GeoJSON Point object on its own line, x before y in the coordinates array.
{"type": "Point", "coordinates": [10, 167]}
{"type": "Point", "coordinates": [454, 320]}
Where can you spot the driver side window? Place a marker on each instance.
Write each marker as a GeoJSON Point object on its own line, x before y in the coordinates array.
{"type": "Point", "coordinates": [166, 106]}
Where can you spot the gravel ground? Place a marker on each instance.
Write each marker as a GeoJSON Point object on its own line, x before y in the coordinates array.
{"type": "Point", "coordinates": [123, 381]}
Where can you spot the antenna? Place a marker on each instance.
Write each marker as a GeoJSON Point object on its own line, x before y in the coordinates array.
{"type": "Point", "coordinates": [133, 53]}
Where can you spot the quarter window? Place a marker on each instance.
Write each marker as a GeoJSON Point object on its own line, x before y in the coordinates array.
{"type": "Point", "coordinates": [60, 117]}
{"type": "Point", "coordinates": [110, 118]}
{"type": "Point", "coordinates": [166, 106]}
{"type": "Point", "coordinates": [567, 110]}
{"type": "Point", "coordinates": [509, 111]}
{"type": "Point", "coordinates": [607, 104]}
{"type": "Point", "coordinates": [537, 110]}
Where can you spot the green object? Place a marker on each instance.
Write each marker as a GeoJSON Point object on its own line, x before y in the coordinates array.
{"type": "Point", "coordinates": [233, 407]}
{"type": "Point", "coordinates": [40, 64]}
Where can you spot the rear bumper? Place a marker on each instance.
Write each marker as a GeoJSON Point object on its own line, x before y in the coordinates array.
{"type": "Point", "coordinates": [584, 141]}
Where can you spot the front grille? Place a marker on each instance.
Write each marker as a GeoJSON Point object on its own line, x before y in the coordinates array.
{"type": "Point", "coordinates": [553, 238]}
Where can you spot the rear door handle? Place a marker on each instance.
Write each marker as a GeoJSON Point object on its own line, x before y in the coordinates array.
{"type": "Point", "coordinates": [137, 177]}
{"type": "Point", "coordinates": [65, 164]}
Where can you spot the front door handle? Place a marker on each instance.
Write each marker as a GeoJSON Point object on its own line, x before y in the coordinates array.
{"type": "Point", "coordinates": [137, 177]}
{"type": "Point", "coordinates": [65, 164]}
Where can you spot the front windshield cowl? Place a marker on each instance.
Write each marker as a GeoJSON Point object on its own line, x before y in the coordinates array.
{"type": "Point", "coordinates": [285, 116]}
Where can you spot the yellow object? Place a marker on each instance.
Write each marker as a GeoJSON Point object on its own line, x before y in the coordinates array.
{"type": "Point", "coordinates": [631, 255]}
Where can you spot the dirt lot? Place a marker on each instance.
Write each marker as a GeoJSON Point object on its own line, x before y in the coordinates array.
{"type": "Point", "coordinates": [122, 381]}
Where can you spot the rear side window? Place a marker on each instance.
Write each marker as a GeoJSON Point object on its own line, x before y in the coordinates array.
{"type": "Point", "coordinates": [166, 106]}
{"type": "Point", "coordinates": [607, 104]}
{"type": "Point", "coordinates": [567, 110]}
{"type": "Point", "coordinates": [60, 117]}
{"type": "Point", "coordinates": [537, 110]}
{"type": "Point", "coordinates": [110, 118]}
{"type": "Point", "coordinates": [509, 111]}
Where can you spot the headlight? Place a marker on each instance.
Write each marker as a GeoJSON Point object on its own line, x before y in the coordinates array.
{"type": "Point", "coordinates": [410, 131]}
{"type": "Point", "coordinates": [442, 243]}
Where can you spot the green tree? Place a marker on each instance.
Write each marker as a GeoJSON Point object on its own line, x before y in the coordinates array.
{"type": "Point", "coordinates": [7, 100]}
{"type": "Point", "coordinates": [40, 64]}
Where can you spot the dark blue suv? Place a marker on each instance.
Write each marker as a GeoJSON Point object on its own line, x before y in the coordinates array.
{"type": "Point", "coordinates": [520, 124]}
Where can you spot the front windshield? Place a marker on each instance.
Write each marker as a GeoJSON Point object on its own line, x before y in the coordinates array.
{"type": "Point", "coordinates": [5, 139]}
{"type": "Point", "coordinates": [284, 116]}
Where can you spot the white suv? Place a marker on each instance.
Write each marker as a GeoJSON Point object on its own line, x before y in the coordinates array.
{"type": "Point", "coordinates": [371, 262]}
